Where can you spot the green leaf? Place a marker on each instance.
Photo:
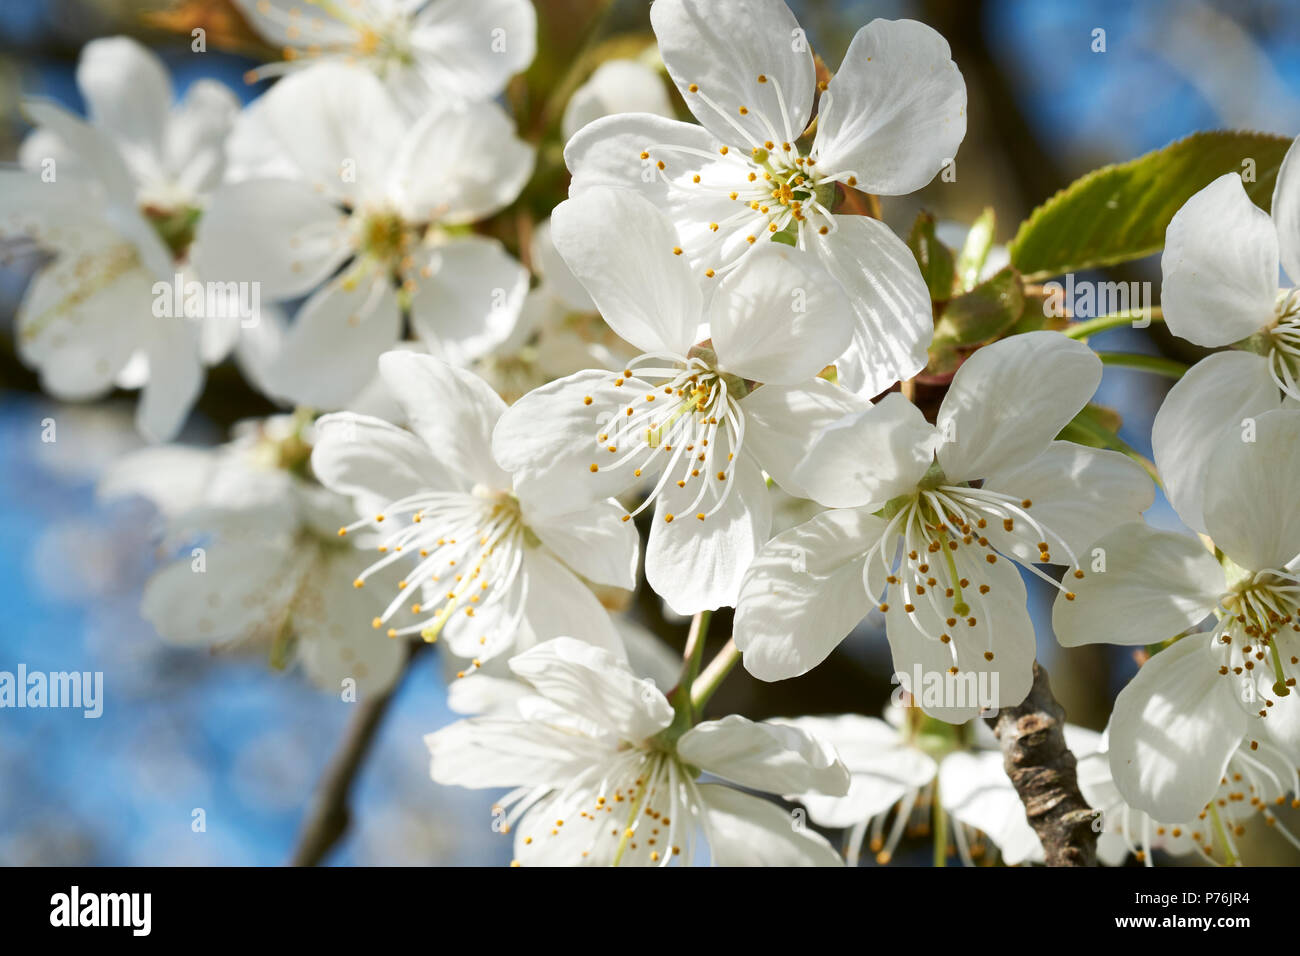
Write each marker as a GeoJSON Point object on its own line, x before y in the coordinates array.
{"type": "Point", "coordinates": [934, 258]}
{"type": "Point", "coordinates": [984, 313]}
{"type": "Point", "coordinates": [975, 251]}
{"type": "Point", "coordinates": [975, 318]}
{"type": "Point", "coordinates": [1120, 212]}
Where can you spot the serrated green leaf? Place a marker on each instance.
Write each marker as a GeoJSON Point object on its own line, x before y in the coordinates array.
{"type": "Point", "coordinates": [1120, 212]}
{"type": "Point", "coordinates": [934, 258]}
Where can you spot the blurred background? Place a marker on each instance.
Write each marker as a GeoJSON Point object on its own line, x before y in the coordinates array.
{"type": "Point", "coordinates": [185, 730]}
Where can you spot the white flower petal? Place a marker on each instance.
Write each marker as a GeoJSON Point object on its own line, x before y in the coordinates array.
{"type": "Point", "coordinates": [314, 117]}
{"type": "Point", "coordinates": [1202, 412]}
{"type": "Point", "coordinates": [883, 768]}
{"type": "Point", "coordinates": [782, 423]}
{"type": "Point", "coordinates": [1286, 212]}
{"type": "Point", "coordinates": [895, 322]}
{"type": "Point", "coordinates": [1172, 731]}
{"type": "Point", "coordinates": [459, 164]}
{"type": "Point", "coordinates": [557, 604]}
{"type": "Point", "coordinates": [744, 830]}
{"type": "Point", "coordinates": [1250, 493]}
{"type": "Point", "coordinates": [698, 565]}
{"type": "Point", "coordinates": [607, 152]}
{"type": "Point", "coordinates": [194, 150]}
{"type": "Point", "coordinates": [96, 153]}
{"type": "Point", "coordinates": [596, 541]}
{"type": "Point", "coordinates": [360, 455]}
{"type": "Point", "coordinates": [80, 335]}
{"type": "Point", "coordinates": [470, 50]}
{"type": "Point", "coordinates": [976, 790]}
{"type": "Point", "coordinates": [773, 757]}
{"type": "Point", "coordinates": [451, 409]}
{"type": "Point", "coordinates": [1077, 494]}
{"type": "Point", "coordinates": [330, 352]}
{"type": "Point", "coordinates": [127, 93]}
{"type": "Point", "coordinates": [507, 752]}
{"type": "Point", "coordinates": [781, 319]}
{"type": "Point", "coordinates": [1156, 584]}
{"type": "Point", "coordinates": [278, 233]}
{"type": "Point", "coordinates": [1002, 629]}
{"type": "Point", "coordinates": [175, 379]}
{"type": "Point", "coordinates": [242, 594]}
{"type": "Point", "coordinates": [547, 440]}
{"type": "Point", "coordinates": [869, 457]}
{"type": "Point", "coordinates": [593, 683]}
{"type": "Point", "coordinates": [621, 248]}
{"type": "Point", "coordinates": [471, 302]}
{"type": "Point", "coordinates": [803, 593]}
{"type": "Point", "coordinates": [722, 49]}
{"type": "Point", "coordinates": [895, 111]}
{"type": "Point", "coordinates": [1010, 399]}
{"type": "Point", "coordinates": [1219, 266]}
{"type": "Point", "coordinates": [335, 639]}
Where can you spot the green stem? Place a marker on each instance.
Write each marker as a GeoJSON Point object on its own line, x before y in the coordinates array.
{"type": "Point", "coordinates": [1081, 330]}
{"type": "Point", "coordinates": [1157, 364]}
{"type": "Point", "coordinates": [714, 675]}
{"type": "Point", "coordinates": [693, 655]}
{"type": "Point", "coordinates": [940, 822]}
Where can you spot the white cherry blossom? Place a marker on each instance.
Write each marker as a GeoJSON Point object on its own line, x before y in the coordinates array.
{"type": "Point", "coordinates": [940, 517]}
{"type": "Point", "coordinates": [114, 201]}
{"type": "Point", "coordinates": [688, 416]}
{"type": "Point", "coordinates": [484, 570]}
{"type": "Point", "coordinates": [901, 766]}
{"type": "Point", "coordinates": [1220, 287]}
{"type": "Point", "coordinates": [260, 562]}
{"type": "Point", "coordinates": [752, 171]}
{"type": "Point", "coordinates": [1178, 722]}
{"type": "Point", "coordinates": [369, 227]}
{"type": "Point", "coordinates": [602, 774]}
{"type": "Point", "coordinates": [440, 49]}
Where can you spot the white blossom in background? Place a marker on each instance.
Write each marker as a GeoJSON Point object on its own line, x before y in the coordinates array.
{"type": "Point", "coordinates": [937, 518]}
{"type": "Point", "coordinates": [1176, 725]}
{"type": "Point", "coordinates": [616, 86]}
{"type": "Point", "coordinates": [438, 50]}
{"type": "Point", "coordinates": [602, 775]}
{"type": "Point", "coordinates": [371, 228]}
{"type": "Point", "coordinates": [899, 767]}
{"type": "Point", "coordinates": [114, 201]}
{"type": "Point", "coordinates": [484, 569]}
{"type": "Point", "coordinates": [260, 564]}
{"type": "Point", "coordinates": [689, 416]}
{"type": "Point", "coordinates": [887, 122]}
{"type": "Point", "coordinates": [1220, 268]}
{"type": "Point", "coordinates": [1259, 777]}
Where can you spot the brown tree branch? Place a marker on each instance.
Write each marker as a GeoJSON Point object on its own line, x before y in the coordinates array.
{"type": "Point", "coordinates": [1042, 769]}
{"type": "Point", "coordinates": [328, 816]}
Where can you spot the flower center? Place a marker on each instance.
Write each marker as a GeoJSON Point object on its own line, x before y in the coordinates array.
{"type": "Point", "coordinates": [682, 418]}
{"type": "Point", "coordinates": [1284, 344]}
{"type": "Point", "coordinates": [638, 808]}
{"type": "Point", "coordinates": [952, 536]}
{"type": "Point", "coordinates": [778, 191]}
{"type": "Point", "coordinates": [468, 550]}
{"type": "Point", "coordinates": [1253, 641]}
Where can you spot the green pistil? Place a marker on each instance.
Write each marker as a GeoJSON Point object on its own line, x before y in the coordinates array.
{"type": "Point", "coordinates": [1279, 686]}
{"type": "Point", "coordinates": [175, 227]}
